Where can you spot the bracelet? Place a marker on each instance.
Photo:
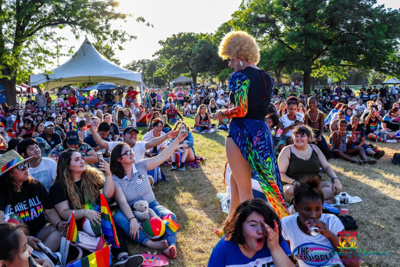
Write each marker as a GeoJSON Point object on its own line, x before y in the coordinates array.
{"type": "Point", "coordinates": [132, 218]}
{"type": "Point", "coordinates": [294, 182]}
{"type": "Point", "coordinates": [89, 126]}
{"type": "Point", "coordinates": [222, 114]}
{"type": "Point", "coordinates": [58, 224]}
{"type": "Point", "coordinates": [333, 178]}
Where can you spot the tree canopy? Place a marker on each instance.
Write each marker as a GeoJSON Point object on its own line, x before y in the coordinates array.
{"type": "Point", "coordinates": [29, 40]}
{"type": "Point", "coordinates": [315, 34]}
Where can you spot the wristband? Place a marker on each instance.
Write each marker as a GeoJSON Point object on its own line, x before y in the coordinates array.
{"type": "Point", "coordinates": [132, 218]}
{"type": "Point", "coordinates": [222, 114]}
{"type": "Point", "coordinates": [294, 182]}
{"type": "Point", "coordinates": [57, 225]}
{"type": "Point", "coordinates": [89, 126]}
{"type": "Point", "coordinates": [333, 178]}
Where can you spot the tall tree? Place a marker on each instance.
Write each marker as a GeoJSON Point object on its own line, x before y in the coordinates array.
{"type": "Point", "coordinates": [355, 33]}
{"type": "Point", "coordinates": [177, 53]}
{"type": "Point", "coordinates": [28, 32]}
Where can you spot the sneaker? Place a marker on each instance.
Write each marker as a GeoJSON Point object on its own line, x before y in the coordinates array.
{"type": "Point", "coordinates": [173, 166]}
{"type": "Point", "coordinates": [130, 261]}
{"type": "Point", "coordinates": [370, 161]}
{"type": "Point", "coordinates": [182, 167]}
{"type": "Point", "coordinates": [379, 154]}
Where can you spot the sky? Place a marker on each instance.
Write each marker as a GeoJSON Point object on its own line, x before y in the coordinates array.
{"type": "Point", "coordinates": [171, 17]}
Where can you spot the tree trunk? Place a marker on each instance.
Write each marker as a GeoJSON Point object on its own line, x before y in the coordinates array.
{"type": "Point", "coordinates": [307, 80]}
{"type": "Point", "coordinates": [194, 78]}
{"type": "Point", "coordinates": [278, 78]}
{"type": "Point", "coordinates": [9, 85]}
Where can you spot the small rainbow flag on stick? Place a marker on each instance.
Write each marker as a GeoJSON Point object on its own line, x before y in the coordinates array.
{"type": "Point", "coordinates": [72, 233]}
{"type": "Point", "coordinates": [107, 223]}
{"type": "Point", "coordinates": [100, 258]}
{"type": "Point", "coordinates": [170, 225]}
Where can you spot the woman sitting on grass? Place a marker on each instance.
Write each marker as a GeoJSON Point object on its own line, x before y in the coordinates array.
{"type": "Point", "coordinates": [185, 151]}
{"type": "Point", "coordinates": [132, 185]}
{"type": "Point", "coordinates": [202, 120]}
{"type": "Point", "coordinates": [301, 158]}
{"type": "Point", "coordinates": [319, 248]}
{"type": "Point", "coordinates": [253, 238]}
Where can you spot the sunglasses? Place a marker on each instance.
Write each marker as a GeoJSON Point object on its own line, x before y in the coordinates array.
{"type": "Point", "coordinates": [129, 152]}
{"type": "Point", "coordinates": [23, 167]}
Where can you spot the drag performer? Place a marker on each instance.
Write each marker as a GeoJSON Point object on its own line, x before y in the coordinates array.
{"type": "Point", "coordinates": [249, 144]}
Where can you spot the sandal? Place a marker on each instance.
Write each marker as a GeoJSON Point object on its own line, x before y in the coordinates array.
{"type": "Point", "coordinates": [358, 162]}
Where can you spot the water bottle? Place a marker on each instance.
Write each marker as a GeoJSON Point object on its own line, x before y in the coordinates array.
{"type": "Point", "coordinates": [344, 204]}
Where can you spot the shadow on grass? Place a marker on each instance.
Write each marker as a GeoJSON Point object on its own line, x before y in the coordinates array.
{"type": "Point", "coordinates": [217, 137]}
{"type": "Point", "coordinates": [193, 188]}
{"type": "Point", "coordinates": [377, 219]}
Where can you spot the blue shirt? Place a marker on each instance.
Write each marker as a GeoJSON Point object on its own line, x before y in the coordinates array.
{"type": "Point", "coordinates": [228, 253]}
{"type": "Point", "coordinates": [90, 141]}
{"type": "Point", "coordinates": [94, 102]}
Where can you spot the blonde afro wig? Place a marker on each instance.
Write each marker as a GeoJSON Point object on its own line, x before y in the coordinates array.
{"type": "Point", "coordinates": [239, 45]}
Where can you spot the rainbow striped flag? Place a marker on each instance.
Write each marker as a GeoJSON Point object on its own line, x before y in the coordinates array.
{"type": "Point", "coordinates": [72, 233]}
{"type": "Point", "coordinates": [107, 223]}
{"type": "Point", "coordinates": [170, 225]}
{"type": "Point", "coordinates": [100, 258]}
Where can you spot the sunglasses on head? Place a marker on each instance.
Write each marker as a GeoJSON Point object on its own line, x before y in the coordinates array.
{"type": "Point", "coordinates": [129, 152]}
{"type": "Point", "coordinates": [23, 167]}
{"type": "Point", "coordinates": [290, 102]}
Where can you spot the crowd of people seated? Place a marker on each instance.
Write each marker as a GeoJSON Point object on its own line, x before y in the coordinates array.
{"type": "Point", "coordinates": [62, 152]}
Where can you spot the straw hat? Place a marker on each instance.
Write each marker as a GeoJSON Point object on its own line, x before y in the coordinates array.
{"type": "Point", "coordinates": [10, 159]}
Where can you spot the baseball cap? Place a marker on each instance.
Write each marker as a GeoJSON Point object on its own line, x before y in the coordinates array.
{"type": "Point", "coordinates": [72, 138]}
{"type": "Point", "coordinates": [130, 129]}
{"type": "Point", "coordinates": [48, 124]}
{"type": "Point", "coordinates": [352, 103]}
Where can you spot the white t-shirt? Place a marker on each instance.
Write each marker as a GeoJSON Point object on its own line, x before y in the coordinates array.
{"type": "Point", "coordinates": [310, 250]}
{"type": "Point", "coordinates": [139, 149]}
{"type": "Point", "coordinates": [286, 122]}
{"type": "Point", "coordinates": [254, 183]}
{"type": "Point", "coordinates": [46, 172]}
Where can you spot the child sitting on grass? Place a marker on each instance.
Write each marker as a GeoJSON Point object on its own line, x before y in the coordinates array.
{"type": "Point", "coordinates": [321, 247]}
{"type": "Point", "coordinates": [343, 145]}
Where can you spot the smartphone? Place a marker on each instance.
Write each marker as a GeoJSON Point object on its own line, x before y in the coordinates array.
{"type": "Point", "coordinates": [100, 155]}
{"type": "Point", "coordinates": [32, 262]}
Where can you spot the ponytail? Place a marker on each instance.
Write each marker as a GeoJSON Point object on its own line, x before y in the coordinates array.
{"type": "Point", "coordinates": [309, 188]}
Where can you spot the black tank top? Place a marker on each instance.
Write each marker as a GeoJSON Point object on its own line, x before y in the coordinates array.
{"type": "Point", "coordinates": [299, 167]}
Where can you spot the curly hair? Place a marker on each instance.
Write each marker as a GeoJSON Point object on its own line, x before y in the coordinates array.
{"type": "Point", "coordinates": [239, 45]}
{"type": "Point", "coordinates": [92, 180]}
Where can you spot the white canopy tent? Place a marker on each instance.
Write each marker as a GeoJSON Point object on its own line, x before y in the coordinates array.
{"type": "Point", "coordinates": [87, 65]}
{"type": "Point", "coordinates": [392, 81]}
{"type": "Point", "coordinates": [181, 79]}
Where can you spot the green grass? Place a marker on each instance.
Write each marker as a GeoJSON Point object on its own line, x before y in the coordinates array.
{"type": "Point", "coordinates": [191, 195]}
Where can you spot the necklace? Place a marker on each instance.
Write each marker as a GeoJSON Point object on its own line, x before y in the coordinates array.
{"type": "Point", "coordinates": [308, 113]}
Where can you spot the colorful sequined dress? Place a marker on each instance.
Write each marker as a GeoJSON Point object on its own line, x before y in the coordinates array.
{"type": "Point", "coordinates": [251, 91]}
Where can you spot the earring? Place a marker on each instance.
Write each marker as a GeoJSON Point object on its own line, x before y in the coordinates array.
{"type": "Point", "coordinates": [240, 63]}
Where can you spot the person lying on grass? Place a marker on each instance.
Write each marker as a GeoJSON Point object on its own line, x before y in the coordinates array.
{"type": "Point", "coordinates": [319, 247]}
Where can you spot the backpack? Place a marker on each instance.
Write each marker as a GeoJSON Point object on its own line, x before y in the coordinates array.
{"type": "Point", "coordinates": [396, 159]}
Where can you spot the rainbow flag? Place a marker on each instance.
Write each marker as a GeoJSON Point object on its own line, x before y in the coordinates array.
{"type": "Point", "coordinates": [72, 233]}
{"type": "Point", "coordinates": [75, 127]}
{"type": "Point", "coordinates": [107, 223]}
{"type": "Point", "coordinates": [170, 225]}
{"type": "Point", "coordinates": [100, 258]}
